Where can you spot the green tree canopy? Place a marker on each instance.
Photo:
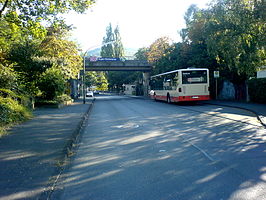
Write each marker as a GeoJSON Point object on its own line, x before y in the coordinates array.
{"type": "Point", "coordinates": [236, 35]}
{"type": "Point", "coordinates": [142, 54]}
{"type": "Point", "coordinates": [115, 49]}
{"type": "Point", "coordinates": [52, 83]}
{"type": "Point", "coordinates": [157, 49]}
{"type": "Point", "coordinates": [107, 50]}
{"type": "Point", "coordinates": [90, 79]}
{"type": "Point", "coordinates": [34, 10]}
{"type": "Point", "coordinates": [112, 43]}
{"type": "Point", "coordinates": [119, 51]}
{"type": "Point", "coordinates": [56, 47]}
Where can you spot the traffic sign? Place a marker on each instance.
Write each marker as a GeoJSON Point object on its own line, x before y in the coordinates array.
{"type": "Point", "coordinates": [93, 58]}
{"type": "Point", "coordinates": [108, 59]}
{"type": "Point", "coordinates": [216, 74]}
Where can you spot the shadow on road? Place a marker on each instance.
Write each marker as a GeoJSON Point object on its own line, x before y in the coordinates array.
{"type": "Point", "coordinates": [156, 152]}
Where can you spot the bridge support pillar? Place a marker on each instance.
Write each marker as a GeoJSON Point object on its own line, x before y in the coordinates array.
{"type": "Point", "coordinates": [146, 79]}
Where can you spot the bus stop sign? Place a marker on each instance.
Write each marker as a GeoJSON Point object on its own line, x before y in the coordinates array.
{"type": "Point", "coordinates": [216, 74]}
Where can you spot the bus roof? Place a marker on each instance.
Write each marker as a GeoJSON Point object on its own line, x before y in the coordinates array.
{"type": "Point", "coordinates": [174, 71]}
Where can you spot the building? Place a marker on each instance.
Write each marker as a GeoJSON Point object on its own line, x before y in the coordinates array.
{"type": "Point", "coordinates": [129, 89]}
{"type": "Point", "coordinates": [261, 74]}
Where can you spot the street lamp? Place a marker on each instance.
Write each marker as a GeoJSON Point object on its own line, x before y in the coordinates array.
{"type": "Point", "coordinates": [84, 95]}
{"type": "Point", "coordinates": [84, 66]}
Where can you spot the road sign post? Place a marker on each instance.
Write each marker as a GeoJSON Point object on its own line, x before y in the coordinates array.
{"type": "Point", "coordinates": [216, 75]}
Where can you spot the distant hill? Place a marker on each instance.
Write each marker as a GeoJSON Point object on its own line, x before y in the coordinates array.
{"type": "Point", "coordinates": [95, 52]}
{"type": "Point", "coordinates": [129, 52]}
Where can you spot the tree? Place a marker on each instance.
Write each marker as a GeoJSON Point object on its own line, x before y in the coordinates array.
{"type": "Point", "coordinates": [157, 49]}
{"type": "Point", "coordinates": [90, 79]}
{"type": "Point", "coordinates": [34, 10]}
{"type": "Point", "coordinates": [232, 32]}
{"type": "Point", "coordinates": [107, 49]}
{"type": "Point", "coordinates": [8, 79]}
{"type": "Point", "coordinates": [32, 56]}
{"type": "Point", "coordinates": [236, 36]}
{"type": "Point", "coordinates": [26, 66]}
{"type": "Point", "coordinates": [56, 47]}
{"type": "Point", "coordinates": [119, 51]}
{"type": "Point", "coordinates": [52, 83]}
{"type": "Point", "coordinates": [102, 82]}
{"type": "Point", "coordinates": [112, 44]}
{"type": "Point", "coordinates": [113, 50]}
{"type": "Point", "coordinates": [142, 54]}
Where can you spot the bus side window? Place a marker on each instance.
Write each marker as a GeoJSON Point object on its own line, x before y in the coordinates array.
{"type": "Point", "coordinates": [153, 84]}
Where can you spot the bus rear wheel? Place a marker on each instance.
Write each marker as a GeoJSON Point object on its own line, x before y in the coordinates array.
{"type": "Point", "coordinates": [154, 96]}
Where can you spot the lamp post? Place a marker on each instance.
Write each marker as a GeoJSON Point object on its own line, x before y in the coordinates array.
{"type": "Point", "coordinates": [84, 66]}
{"type": "Point", "coordinates": [84, 95]}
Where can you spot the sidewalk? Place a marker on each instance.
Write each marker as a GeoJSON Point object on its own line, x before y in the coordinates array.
{"type": "Point", "coordinates": [32, 153]}
{"type": "Point", "coordinates": [258, 109]}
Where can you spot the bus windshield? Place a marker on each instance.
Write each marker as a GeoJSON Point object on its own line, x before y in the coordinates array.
{"type": "Point", "coordinates": [194, 77]}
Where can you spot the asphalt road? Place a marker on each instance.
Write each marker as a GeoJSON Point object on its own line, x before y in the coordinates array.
{"type": "Point", "coordinates": [134, 149]}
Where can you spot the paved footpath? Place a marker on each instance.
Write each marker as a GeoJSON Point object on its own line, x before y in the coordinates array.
{"type": "Point", "coordinates": [258, 109]}
{"type": "Point", "coordinates": [30, 156]}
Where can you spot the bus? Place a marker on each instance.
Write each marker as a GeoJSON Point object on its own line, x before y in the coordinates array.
{"type": "Point", "coordinates": [181, 85]}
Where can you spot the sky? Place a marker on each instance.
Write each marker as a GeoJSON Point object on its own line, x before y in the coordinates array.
{"type": "Point", "coordinates": [140, 22]}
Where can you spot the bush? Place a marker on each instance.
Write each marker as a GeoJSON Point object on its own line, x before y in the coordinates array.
{"type": "Point", "coordinates": [8, 93]}
{"type": "Point", "coordinates": [11, 111]}
{"type": "Point", "coordinates": [257, 90]}
{"type": "Point", "coordinates": [52, 84]}
{"type": "Point", "coordinates": [58, 100]}
{"type": "Point", "coordinates": [22, 98]}
{"type": "Point", "coordinates": [13, 108]}
{"type": "Point", "coordinates": [63, 98]}
{"type": "Point", "coordinates": [7, 76]}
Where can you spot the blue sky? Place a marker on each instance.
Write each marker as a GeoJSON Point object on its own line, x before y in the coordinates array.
{"type": "Point", "coordinates": [141, 22]}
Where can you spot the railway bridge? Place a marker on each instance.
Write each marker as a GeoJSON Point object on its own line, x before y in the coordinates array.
{"type": "Point", "coordinates": [112, 64]}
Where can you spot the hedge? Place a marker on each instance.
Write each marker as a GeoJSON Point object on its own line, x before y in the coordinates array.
{"type": "Point", "coordinates": [257, 90]}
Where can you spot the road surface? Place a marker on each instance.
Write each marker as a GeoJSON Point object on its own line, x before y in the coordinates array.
{"type": "Point", "coordinates": [134, 149]}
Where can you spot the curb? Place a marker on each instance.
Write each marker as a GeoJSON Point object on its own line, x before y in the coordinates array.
{"type": "Point", "coordinates": [259, 118]}
{"type": "Point", "coordinates": [67, 152]}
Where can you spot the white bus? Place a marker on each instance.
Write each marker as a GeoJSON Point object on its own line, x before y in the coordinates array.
{"type": "Point", "coordinates": [181, 85]}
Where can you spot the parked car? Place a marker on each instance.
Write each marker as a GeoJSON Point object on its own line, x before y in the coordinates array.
{"type": "Point", "coordinates": [89, 94]}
